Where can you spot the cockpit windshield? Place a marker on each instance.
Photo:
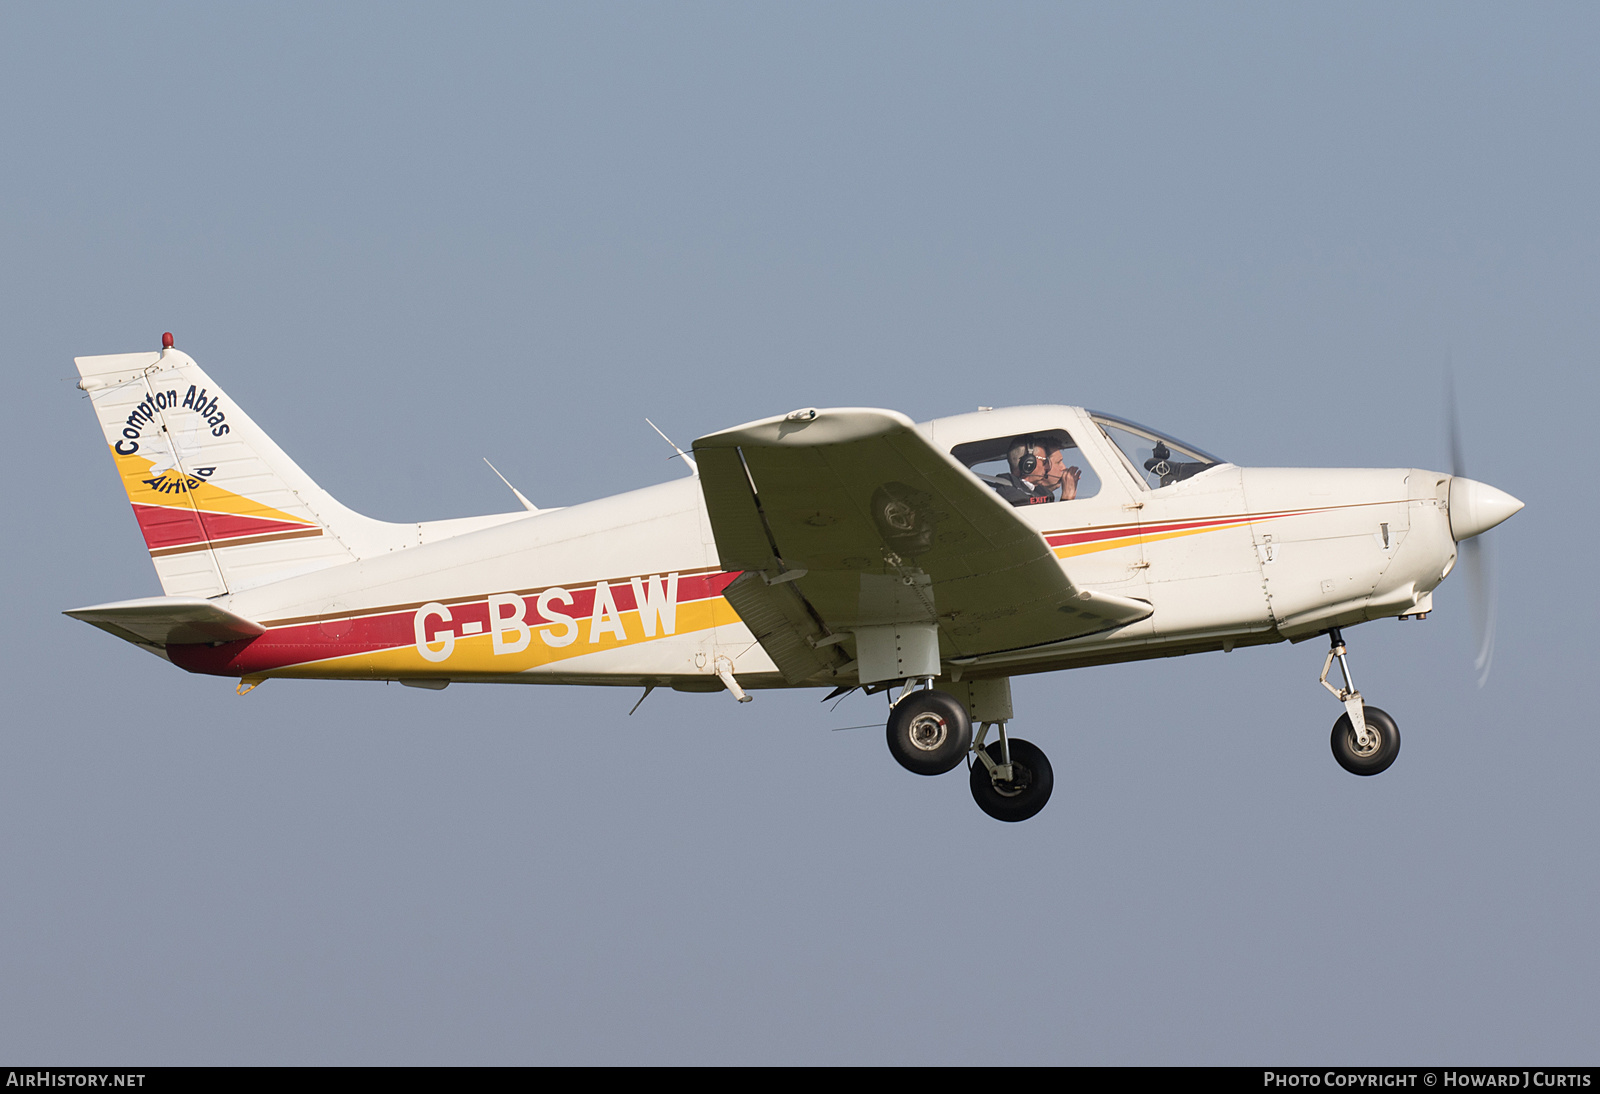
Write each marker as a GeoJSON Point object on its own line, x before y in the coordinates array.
{"type": "Point", "coordinates": [1157, 460]}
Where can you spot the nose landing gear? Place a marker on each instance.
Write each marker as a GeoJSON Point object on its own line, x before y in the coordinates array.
{"type": "Point", "coordinates": [1382, 746]}
{"type": "Point", "coordinates": [1365, 740]}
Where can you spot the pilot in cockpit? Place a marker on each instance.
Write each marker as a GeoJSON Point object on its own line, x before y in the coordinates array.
{"type": "Point", "coordinates": [1029, 462]}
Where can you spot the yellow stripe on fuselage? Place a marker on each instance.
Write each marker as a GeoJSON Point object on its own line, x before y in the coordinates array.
{"type": "Point", "coordinates": [1138, 538]}
{"type": "Point", "coordinates": [474, 654]}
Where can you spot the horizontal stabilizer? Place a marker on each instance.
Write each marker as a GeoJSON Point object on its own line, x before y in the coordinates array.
{"type": "Point", "coordinates": [168, 621]}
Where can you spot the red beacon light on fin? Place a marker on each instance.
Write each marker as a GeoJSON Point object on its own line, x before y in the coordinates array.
{"type": "Point", "coordinates": [166, 340]}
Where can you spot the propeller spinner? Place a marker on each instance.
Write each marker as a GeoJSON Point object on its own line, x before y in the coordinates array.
{"type": "Point", "coordinates": [1476, 507]}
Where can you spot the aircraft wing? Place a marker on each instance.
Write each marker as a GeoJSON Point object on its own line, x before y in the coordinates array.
{"type": "Point", "coordinates": [168, 620]}
{"type": "Point", "coordinates": [850, 518]}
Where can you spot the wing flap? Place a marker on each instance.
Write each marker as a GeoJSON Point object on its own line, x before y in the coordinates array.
{"type": "Point", "coordinates": [778, 617]}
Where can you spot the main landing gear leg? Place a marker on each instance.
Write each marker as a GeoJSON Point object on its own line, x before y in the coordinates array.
{"type": "Point", "coordinates": [1011, 779]}
{"type": "Point", "coordinates": [928, 730]}
{"type": "Point", "coordinates": [1365, 740]}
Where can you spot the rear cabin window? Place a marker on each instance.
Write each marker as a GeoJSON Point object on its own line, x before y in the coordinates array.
{"type": "Point", "coordinates": [1031, 468]}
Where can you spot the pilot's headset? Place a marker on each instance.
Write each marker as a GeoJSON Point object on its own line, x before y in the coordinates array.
{"type": "Point", "coordinates": [1021, 456]}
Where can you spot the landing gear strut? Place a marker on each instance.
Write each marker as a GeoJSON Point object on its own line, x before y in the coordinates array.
{"type": "Point", "coordinates": [1011, 779]}
{"type": "Point", "coordinates": [930, 732]}
{"type": "Point", "coordinates": [1365, 740]}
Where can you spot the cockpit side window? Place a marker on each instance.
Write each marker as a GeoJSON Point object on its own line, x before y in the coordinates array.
{"type": "Point", "coordinates": [1155, 459]}
{"type": "Point", "coordinates": [1031, 468]}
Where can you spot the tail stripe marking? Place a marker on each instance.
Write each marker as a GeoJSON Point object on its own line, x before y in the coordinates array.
{"type": "Point", "coordinates": [166, 527]}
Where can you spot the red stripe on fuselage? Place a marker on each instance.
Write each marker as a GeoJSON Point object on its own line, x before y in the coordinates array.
{"type": "Point", "coordinates": [1124, 531]}
{"type": "Point", "coordinates": [387, 629]}
{"type": "Point", "coordinates": [1121, 531]}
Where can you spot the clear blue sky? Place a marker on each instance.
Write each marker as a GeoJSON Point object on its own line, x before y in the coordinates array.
{"type": "Point", "coordinates": [405, 237]}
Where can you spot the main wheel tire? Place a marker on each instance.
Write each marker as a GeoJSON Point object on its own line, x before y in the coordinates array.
{"type": "Point", "coordinates": [929, 732]}
{"type": "Point", "coordinates": [1025, 794]}
{"type": "Point", "coordinates": [1379, 753]}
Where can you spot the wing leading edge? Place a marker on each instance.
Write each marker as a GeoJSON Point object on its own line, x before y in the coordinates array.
{"type": "Point", "coordinates": [849, 519]}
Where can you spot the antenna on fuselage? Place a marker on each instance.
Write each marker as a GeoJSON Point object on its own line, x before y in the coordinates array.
{"type": "Point", "coordinates": [526, 504]}
{"type": "Point", "coordinates": [686, 457]}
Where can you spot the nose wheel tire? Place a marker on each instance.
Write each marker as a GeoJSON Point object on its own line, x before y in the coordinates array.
{"type": "Point", "coordinates": [929, 732]}
{"type": "Point", "coordinates": [1021, 796]}
{"type": "Point", "coordinates": [1383, 743]}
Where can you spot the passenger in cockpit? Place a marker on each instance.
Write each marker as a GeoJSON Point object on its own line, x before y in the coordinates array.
{"type": "Point", "coordinates": [1059, 476]}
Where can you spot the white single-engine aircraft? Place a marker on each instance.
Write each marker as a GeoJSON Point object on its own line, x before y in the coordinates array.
{"type": "Point", "coordinates": [842, 549]}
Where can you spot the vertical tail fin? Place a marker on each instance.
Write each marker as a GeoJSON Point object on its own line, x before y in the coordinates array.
{"type": "Point", "coordinates": [220, 505]}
